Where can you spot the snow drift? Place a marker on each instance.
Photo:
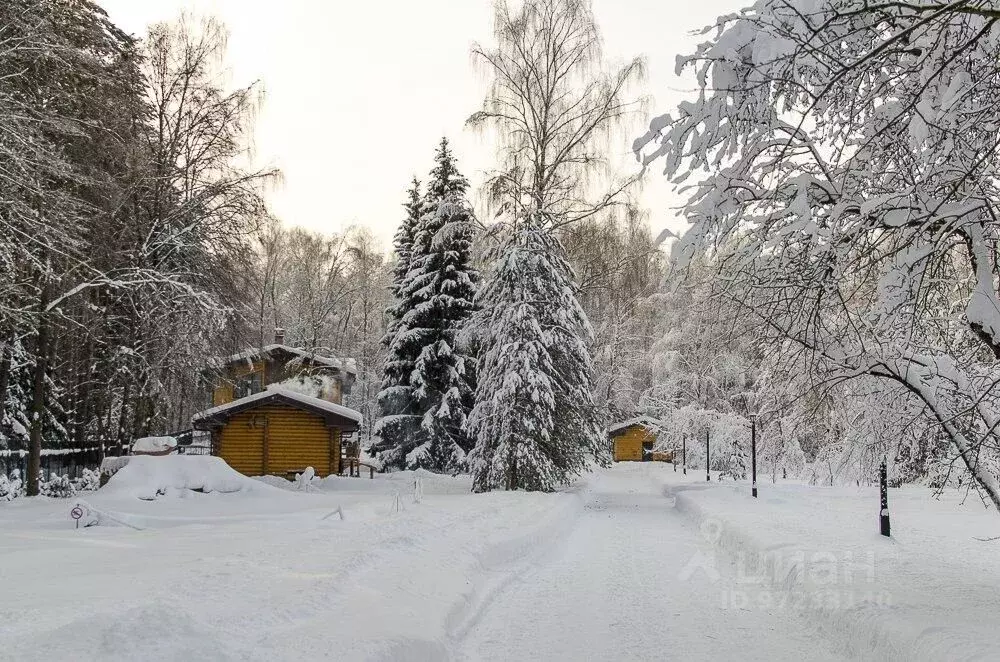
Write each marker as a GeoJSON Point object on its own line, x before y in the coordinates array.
{"type": "Point", "coordinates": [148, 477]}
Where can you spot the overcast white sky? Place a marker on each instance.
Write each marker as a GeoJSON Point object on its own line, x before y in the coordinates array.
{"type": "Point", "coordinates": [359, 92]}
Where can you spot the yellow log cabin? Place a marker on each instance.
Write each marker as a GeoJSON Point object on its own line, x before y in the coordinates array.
{"type": "Point", "coordinates": [634, 441]}
{"type": "Point", "coordinates": [278, 410]}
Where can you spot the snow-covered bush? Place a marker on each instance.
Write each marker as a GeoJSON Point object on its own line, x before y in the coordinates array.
{"type": "Point", "coordinates": [12, 487]}
{"type": "Point", "coordinates": [57, 487]}
{"type": "Point", "coordinates": [88, 481]}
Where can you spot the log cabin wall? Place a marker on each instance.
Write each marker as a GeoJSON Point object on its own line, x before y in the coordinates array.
{"type": "Point", "coordinates": [277, 440]}
{"type": "Point", "coordinates": [628, 443]}
{"type": "Point", "coordinates": [224, 392]}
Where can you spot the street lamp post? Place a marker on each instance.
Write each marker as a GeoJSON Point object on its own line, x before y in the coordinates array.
{"type": "Point", "coordinates": [684, 453]}
{"type": "Point", "coordinates": [708, 458]}
{"type": "Point", "coordinates": [883, 501]}
{"type": "Point", "coordinates": [753, 455]}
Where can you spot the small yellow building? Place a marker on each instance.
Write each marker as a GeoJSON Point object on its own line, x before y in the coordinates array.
{"type": "Point", "coordinates": [279, 409]}
{"type": "Point", "coordinates": [279, 432]}
{"type": "Point", "coordinates": [633, 440]}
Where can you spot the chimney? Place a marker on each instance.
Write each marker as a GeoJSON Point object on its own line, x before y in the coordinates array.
{"type": "Point", "coordinates": [279, 336]}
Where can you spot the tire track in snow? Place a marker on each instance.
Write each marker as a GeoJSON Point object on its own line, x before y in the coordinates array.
{"type": "Point", "coordinates": [613, 592]}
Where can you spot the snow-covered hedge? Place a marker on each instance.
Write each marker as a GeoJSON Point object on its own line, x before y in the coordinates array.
{"type": "Point", "coordinates": [88, 481]}
{"type": "Point", "coordinates": [57, 486]}
{"type": "Point", "coordinates": [12, 487]}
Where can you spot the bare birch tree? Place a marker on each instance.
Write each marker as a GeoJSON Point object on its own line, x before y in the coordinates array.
{"type": "Point", "coordinates": [553, 105]}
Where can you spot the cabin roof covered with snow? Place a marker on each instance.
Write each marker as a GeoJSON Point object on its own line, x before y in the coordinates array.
{"type": "Point", "coordinates": [331, 412]}
{"type": "Point", "coordinates": [645, 421]}
{"type": "Point", "coordinates": [347, 365]}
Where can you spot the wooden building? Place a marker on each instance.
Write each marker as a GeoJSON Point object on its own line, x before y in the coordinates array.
{"type": "Point", "coordinates": [279, 409]}
{"type": "Point", "coordinates": [253, 370]}
{"type": "Point", "coordinates": [633, 440]}
{"type": "Point", "coordinates": [279, 432]}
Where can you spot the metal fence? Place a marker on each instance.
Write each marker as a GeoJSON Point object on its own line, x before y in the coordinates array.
{"type": "Point", "coordinates": [69, 462]}
{"type": "Point", "coordinates": [72, 461]}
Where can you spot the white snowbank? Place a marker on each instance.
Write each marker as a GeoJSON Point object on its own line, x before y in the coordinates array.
{"type": "Point", "coordinates": [111, 464]}
{"type": "Point", "coordinates": [930, 592]}
{"type": "Point", "coordinates": [148, 477]}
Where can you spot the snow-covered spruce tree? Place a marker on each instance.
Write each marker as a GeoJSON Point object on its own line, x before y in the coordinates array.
{"type": "Point", "coordinates": [555, 106]}
{"type": "Point", "coordinates": [440, 289]}
{"type": "Point", "coordinates": [535, 422]}
{"type": "Point", "coordinates": [398, 421]}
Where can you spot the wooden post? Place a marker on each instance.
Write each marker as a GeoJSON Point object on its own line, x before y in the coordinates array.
{"type": "Point", "coordinates": [38, 404]}
{"type": "Point", "coordinates": [267, 444]}
{"type": "Point", "coordinates": [335, 457]}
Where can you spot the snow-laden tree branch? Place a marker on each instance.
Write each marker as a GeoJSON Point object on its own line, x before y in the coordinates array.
{"type": "Point", "coordinates": [850, 166]}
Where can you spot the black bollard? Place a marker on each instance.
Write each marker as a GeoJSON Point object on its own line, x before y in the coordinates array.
{"type": "Point", "coordinates": [684, 453]}
{"type": "Point", "coordinates": [884, 497]}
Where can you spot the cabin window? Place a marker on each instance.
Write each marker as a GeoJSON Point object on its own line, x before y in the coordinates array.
{"type": "Point", "coordinates": [252, 383]}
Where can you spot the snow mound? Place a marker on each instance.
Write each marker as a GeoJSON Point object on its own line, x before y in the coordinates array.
{"type": "Point", "coordinates": [148, 477]}
{"type": "Point", "coordinates": [276, 482]}
{"type": "Point", "coordinates": [153, 444]}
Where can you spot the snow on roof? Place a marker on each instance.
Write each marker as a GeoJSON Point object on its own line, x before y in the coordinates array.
{"type": "Point", "coordinates": [646, 421]}
{"type": "Point", "coordinates": [274, 390]}
{"type": "Point", "coordinates": [348, 365]}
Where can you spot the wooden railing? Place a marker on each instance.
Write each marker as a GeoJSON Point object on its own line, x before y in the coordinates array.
{"type": "Point", "coordinates": [353, 466]}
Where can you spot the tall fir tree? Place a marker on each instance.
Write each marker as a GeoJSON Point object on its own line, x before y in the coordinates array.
{"type": "Point", "coordinates": [535, 423]}
{"type": "Point", "coordinates": [438, 298]}
{"type": "Point", "coordinates": [399, 420]}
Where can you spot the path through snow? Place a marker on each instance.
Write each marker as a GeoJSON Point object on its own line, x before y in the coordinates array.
{"type": "Point", "coordinates": [614, 591]}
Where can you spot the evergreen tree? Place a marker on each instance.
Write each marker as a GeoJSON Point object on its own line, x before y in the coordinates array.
{"type": "Point", "coordinates": [427, 391]}
{"type": "Point", "coordinates": [535, 423]}
{"type": "Point", "coordinates": [398, 421]}
{"type": "Point", "coordinates": [738, 463]}
{"type": "Point", "coordinates": [442, 284]}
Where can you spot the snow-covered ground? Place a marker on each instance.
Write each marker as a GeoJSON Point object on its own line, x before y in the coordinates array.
{"type": "Point", "coordinates": [620, 586]}
{"type": "Point", "coordinates": [259, 574]}
{"type": "Point", "coordinates": [930, 592]}
{"type": "Point", "coordinates": [608, 570]}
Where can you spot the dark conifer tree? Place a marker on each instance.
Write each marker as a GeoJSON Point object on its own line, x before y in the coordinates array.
{"type": "Point", "coordinates": [399, 419]}
{"type": "Point", "coordinates": [437, 296]}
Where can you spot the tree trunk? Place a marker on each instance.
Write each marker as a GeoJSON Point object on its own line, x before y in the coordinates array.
{"type": "Point", "coordinates": [5, 358]}
{"type": "Point", "coordinates": [38, 394]}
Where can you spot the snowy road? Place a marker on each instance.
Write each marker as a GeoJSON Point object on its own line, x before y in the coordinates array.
{"type": "Point", "coordinates": [617, 589]}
